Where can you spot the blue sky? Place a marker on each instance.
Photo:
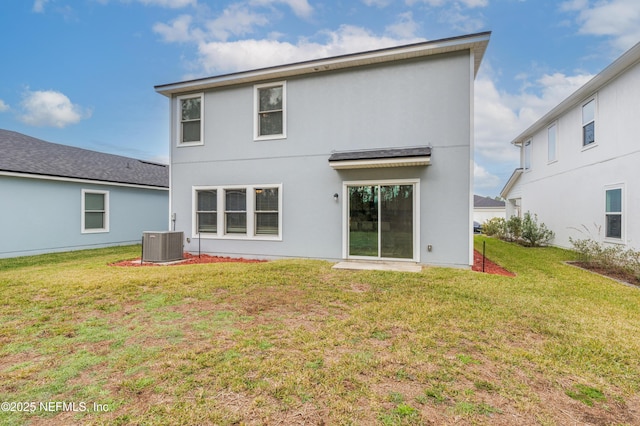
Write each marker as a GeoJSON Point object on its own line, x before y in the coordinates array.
{"type": "Point", "coordinates": [82, 72]}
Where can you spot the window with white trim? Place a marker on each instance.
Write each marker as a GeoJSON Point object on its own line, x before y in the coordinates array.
{"type": "Point", "coordinates": [270, 116]}
{"type": "Point", "coordinates": [95, 211]}
{"type": "Point", "coordinates": [235, 211]}
{"type": "Point", "coordinates": [552, 140]}
{"type": "Point", "coordinates": [190, 120]}
{"type": "Point", "coordinates": [207, 211]}
{"type": "Point", "coordinates": [613, 213]}
{"type": "Point", "coordinates": [589, 122]}
{"type": "Point", "coordinates": [266, 211]}
{"type": "Point", "coordinates": [245, 212]}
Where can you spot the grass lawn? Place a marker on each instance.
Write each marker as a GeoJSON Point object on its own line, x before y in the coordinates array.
{"type": "Point", "coordinates": [295, 342]}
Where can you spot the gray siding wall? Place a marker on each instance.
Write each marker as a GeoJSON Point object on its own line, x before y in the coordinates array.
{"type": "Point", "coordinates": [425, 102]}
{"type": "Point", "coordinates": [41, 216]}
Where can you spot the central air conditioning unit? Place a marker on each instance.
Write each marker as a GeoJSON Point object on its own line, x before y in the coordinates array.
{"type": "Point", "coordinates": [165, 246]}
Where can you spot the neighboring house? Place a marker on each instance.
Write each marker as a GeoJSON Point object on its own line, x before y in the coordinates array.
{"type": "Point", "coordinates": [365, 156]}
{"type": "Point", "coordinates": [485, 208]}
{"type": "Point", "coordinates": [58, 198]}
{"type": "Point", "coordinates": [579, 163]}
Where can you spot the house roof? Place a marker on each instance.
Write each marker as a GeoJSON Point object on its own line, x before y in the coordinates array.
{"type": "Point", "coordinates": [486, 202]}
{"type": "Point", "coordinates": [476, 43]}
{"type": "Point", "coordinates": [630, 58]}
{"type": "Point", "coordinates": [389, 157]}
{"type": "Point", "coordinates": [511, 182]}
{"type": "Point", "coordinates": [22, 154]}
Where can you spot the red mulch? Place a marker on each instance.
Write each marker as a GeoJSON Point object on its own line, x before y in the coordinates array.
{"type": "Point", "coordinates": [189, 259]}
{"type": "Point", "coordinates": [489, 266]}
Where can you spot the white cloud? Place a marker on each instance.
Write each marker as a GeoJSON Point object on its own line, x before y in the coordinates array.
{"type": "Point", "coordinates": [250, 54]}
{"type": "Point", "coordinates": [404, 27]}
{"type": "Point", "coordinates": [438, 3]}
{"type": "Point", "coordinates": [300, 8]}
{"type": "Point", "coordinates": [3, 106]}
{"type": "Point", "coordinates": [50, 109]}
{"type": "Point", "coordinates": [483, 179]}
{"type": "Point", "coordinates": [178, 31]}
{"type": "Point", "coordinates": [236, 20]}
{"type": "Point", "coordinates": [38, 6]}
{"type": "Point", "coordinates": [618, 19]}
{"type": "Point", "coordinates": [173, 4]}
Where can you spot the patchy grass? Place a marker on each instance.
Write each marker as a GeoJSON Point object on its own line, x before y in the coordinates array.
{"type": "Point", "coordinates": [297, 342]}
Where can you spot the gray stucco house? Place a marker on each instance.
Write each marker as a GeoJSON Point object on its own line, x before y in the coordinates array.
{"type": "Point", "coordinates": [59, 198]}
{"type": "Point", "coordinates": [367, 156]}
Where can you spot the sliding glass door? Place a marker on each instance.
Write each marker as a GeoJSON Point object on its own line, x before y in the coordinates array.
{"type": "Point", "coordinates": [381, 221]}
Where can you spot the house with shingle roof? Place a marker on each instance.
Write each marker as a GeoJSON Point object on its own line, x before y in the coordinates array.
{"type": "Point", "coordinates": [486, 208]}
{"type": "Point", "coordinates": [359, 157]}
{"type": "Point", "coordinates": [57, 198]}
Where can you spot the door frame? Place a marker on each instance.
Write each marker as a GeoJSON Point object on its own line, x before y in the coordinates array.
{"type": "Point", "coordinates": [416, 216]}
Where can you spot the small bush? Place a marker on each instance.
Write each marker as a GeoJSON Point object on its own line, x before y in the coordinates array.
{"type": "Point", "coordinates": [495, 227]}
{"type": "Point", "coordinates": [534, 234]}
{"type": "Point", "coordinates": [612, 258]}
{"type": "Point", "coordinates": [524, 231]}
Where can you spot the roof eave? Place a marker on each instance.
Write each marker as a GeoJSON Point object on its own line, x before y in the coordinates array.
{"type": "Point", "coordinates": [620, 65]}
{"type": "Point", "coordinates": [477, 43]}
{"type": "Point", "coordinates": [511, 182]}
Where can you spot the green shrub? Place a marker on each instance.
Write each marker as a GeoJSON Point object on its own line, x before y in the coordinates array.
{"type": "Point", "coordinates": [613, 257]}
{"type": "Point", "coordinates": [495, 227]}
{"type": "Point", "coordinates": [524, 231]}
{"type": "Point", "coordinates": [514, 228]}
{"type": "Point", "coordinates": [533, 233]}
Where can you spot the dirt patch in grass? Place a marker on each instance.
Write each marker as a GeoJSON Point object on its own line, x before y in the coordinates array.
{"type": "Point", "coordinates": [489, 266]}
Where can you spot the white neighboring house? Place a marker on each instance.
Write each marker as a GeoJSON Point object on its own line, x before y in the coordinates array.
{"type": "Point", "coordinates": [485, 208]}
{"type": "Point", "coordinates": [579, 163]}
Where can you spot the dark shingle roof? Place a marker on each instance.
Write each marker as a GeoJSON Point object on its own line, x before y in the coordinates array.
{"type": "Point", "coordinates": [23, 154]}
{"type": "Point", "coordinates": [377, 154]}
{"type": "Point", "coordinates": [479, 201]}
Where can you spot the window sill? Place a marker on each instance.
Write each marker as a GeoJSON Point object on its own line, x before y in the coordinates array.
{"type": "Point", "coordinates": [186, 144]}
{"type": "Point", "coordinates": [588, 147]}
{"type": "Point", "coordinates": [95, 231]}
{"type": "Point", "coordinates": [269, 138]}
{"type": "Point", "coordinates": [237, 237]}
{"type": "Point", "coordinates": [618, 241]}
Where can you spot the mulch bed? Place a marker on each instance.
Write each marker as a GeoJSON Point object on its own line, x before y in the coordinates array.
{"type": "Point", "coordinates": [628, 278]}
{"type": "Point", "coordinates": [489, 266]}
{"type": "Point", "coordinates": [192, 259]}
{"type": "Point", "coordinates": [188, 259]}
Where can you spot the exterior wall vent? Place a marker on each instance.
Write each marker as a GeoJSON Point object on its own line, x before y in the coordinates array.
{"type": "Point", "coordinates": [165, 246]}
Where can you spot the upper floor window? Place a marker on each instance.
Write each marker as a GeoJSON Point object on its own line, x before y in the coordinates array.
{"type": "Point", "coordinates": [95, 211]}
{"type": "Point", "coordinates": [552, 138]}
{"type": "Point", "coordinates": [527, 155]}
{"type": "Point", "coordinates": [589, 122]}
{"type": "Point", "coordinates": [190, 122]}
{"type": "Point", "coordinates": [613, 213]}
{"type": "Point", "coordinates": [270, 111]}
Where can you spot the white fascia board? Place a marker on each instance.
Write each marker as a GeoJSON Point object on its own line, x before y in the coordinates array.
{"type": "Point", "coordinates": [86, 181]}
{"type": "Point", "coordinates": [512, 181]}
{"type": "Point", "coordinates": [474, 42]}
{"type": "Point", "coordinates": [380, 163]}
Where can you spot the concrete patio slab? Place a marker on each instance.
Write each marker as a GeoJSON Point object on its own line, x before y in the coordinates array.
{"type": "Point", "coordinates": [379, 266]}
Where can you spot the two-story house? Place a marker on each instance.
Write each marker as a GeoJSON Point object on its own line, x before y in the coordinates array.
{"type": "Point", "coordinates": [579, 163]}
{"type": "Point", "coordinates": [367, 156]}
